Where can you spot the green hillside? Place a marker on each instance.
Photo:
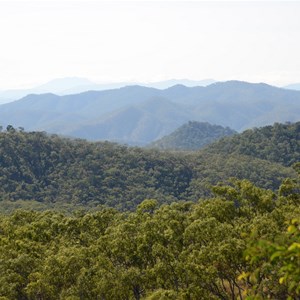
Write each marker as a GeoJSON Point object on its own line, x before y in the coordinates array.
{"type": "Point", "coordinates": [192, 136]}
{"type": "Point", "coordinates": [279, 143]}
{"type": "Point", "coordinates": [53, 172]}
{"type": "Point", "coordinates": [233, 240]}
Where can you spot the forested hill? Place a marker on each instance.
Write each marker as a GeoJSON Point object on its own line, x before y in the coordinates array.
{"type": "Point", "coordinates": [192, 136]}
{"type": "Point", "coordinates": [278, 143]}
{"type": "Point", "coordinates": [55, 171]}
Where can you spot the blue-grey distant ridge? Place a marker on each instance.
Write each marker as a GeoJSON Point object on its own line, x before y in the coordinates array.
{"type": "Point", "coordinates": [138, 115]}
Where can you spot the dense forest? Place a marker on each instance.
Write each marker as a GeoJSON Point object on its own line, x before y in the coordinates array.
{"type": "Point", "coordinates": [243, 243]}
{"type": "Point", "coordinates": [42, 171]}
{"type": "Point", "coordinates": [106, 221]}
{"type": "Point", "coordinates": [278, 143]}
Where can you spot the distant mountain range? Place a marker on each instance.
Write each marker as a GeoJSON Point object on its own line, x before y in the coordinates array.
{"type": "Point", "coordinates": [138, 115]}
{"type": "Point", "coordinates": [75, 85]}
{"type": "Point", "coordinates": [192, 136]}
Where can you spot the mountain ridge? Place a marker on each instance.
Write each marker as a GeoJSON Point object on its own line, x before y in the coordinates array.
{"type": "Point", "coordinates": [75, 85]}
{"type": "Point", "coordinates": [234, 104]}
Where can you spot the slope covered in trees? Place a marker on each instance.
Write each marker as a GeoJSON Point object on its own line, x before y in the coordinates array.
{"type": "Point", "coordinates": [192, 136]}
{"type": "Point", "coordinates": [234, 245]}
{"type": "Point", "coordinates": [279, 143]}
{"type": "Point", "coordinates": [55, 171]}
{"type": "Point", "coordinates": [239, 240]}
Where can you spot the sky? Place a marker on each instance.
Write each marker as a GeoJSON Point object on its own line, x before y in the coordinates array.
{"type": "Point", "coordinates": [148, 41]}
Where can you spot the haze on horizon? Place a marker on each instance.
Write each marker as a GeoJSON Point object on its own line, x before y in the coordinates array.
{"type": "Point", "coordinates": [139, 41]}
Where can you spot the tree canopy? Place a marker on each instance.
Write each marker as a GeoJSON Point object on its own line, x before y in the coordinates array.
{"type": "Point", "coordinates": [235, 245]}
{"type": "Point", "coordinates": [131, 223]}
{"type": "Point", "coordinates": [279, 143]}
{"type": "Point", "coordinates": [40, 170]}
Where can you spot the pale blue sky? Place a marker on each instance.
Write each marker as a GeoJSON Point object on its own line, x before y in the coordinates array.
{"type": "Point", "coordinates": [149, 41]}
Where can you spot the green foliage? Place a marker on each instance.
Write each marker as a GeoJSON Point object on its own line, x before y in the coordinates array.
{"type": "Point", "coordinates": [274, 257]}
{"type": "Point", "coordinates": [279, 143]}
{"type": "Point", "coordinates": [55, 171]}
{"type": "Point", "coordinates": [232, 246]}
{"type": "Point", "coordinates": [275, 265]}
{"type": "Point", "coordinates": [39, 171]}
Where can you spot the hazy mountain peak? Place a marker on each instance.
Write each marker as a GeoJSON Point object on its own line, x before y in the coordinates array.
{"type": "Point", "coordinates": [186, 82]}
{"type": "Point", "coordinates": [61, 84]}
{"type": "Point", "coordinates": [192, 136]}
{"type": "Point", "coordinates": [177, 87]}
{"type": "Point", "coordinates": [240, 83]}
